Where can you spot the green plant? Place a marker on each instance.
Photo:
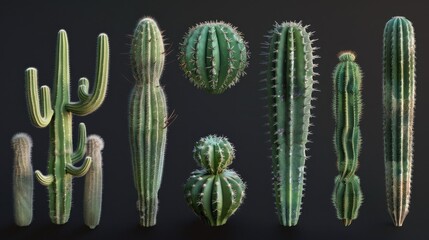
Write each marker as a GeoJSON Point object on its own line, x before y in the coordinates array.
{"type": "Point", "coordinates": [147, 117]}
{"type": "Point", "coordinates": [347, 108]}
{"type": "Point", "coordinates": [289, 81]}
{"type": "Point", "coordinates": [92, 195]}
{"type": "Point", "coordinates": [213, 56]}
{"type": "Point", "coordinates": [214, 192]}
{"type": "Point", "coordinates": [22, 179]}
{"type": "Point", "coordinates": [58, 116]}
{"type": "Point", "coordinates": [398, 117]}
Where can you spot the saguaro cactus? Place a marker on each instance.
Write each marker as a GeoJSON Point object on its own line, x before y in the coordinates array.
{"type": "Point", "coordinates": [213, 56]}
{"type": "Point", "coordinates": [92, 195]}
{"type": "Point", "coordinates": [347, 108]}
{"type": "Point", "coordinates": [22, 179]}
{"type": "Point", "coordinates": [214, 192]}
{"type": "Point", "coordinates": [289, 81]}
{"type": "Point", "coordinates": [398, 100]}
{"type": "Point", "coordinates": [58, 116]}
{"type": "Point", "coordinates": [147, 117]}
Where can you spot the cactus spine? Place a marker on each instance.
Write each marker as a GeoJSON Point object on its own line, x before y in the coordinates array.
{"type": "Point", "coordinates": [22, 179]}
{"type": "Point", "coordinates": [92, 195]}
{"type": "Point", "coordinates": [398, 100]}
{"type": "Point", "coordinates": [58, 116]}
{"type": "Point", "coordinates": [214, 192]}
{"type": "Point", "coordinates": [290, 86]}
{"type": "Point", "coordinates": [347, 108]}
{"type": "Point", "coordinates": [213, 56]}
{"type": "Point", "coordinates": [147, 117]}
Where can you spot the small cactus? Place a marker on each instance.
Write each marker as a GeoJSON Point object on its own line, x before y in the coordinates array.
{"type": "Point", "coordinates": [398, 117]}
{"type": "Point", "coordinates": [92, 195]}
{"type": "Point", "coordinates": [213, 56]}
{"type": "Point", "coordinates": [347, 108]}
{"type": "Point", "coordinates": [214, 192]}
{"type": "Point", "coordinates": [22, 179]}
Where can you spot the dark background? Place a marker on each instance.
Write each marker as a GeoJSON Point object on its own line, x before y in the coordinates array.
{"type": "Point", "coordinates": [27, 38]}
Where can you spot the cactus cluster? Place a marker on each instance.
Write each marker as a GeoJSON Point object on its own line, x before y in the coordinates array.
{"type": "Point", "coordinates": [398, 115]}
{"type": "Point", "coordinates": [214, 192]}
{"type": "Point", "coordinates": [347, 108]}
{"type": "Point", "coordinates": [289, 85]}
{"type": "Point", "coordinates": [213, 56]}
{"type": "Point", "coordinates": [148, 119]}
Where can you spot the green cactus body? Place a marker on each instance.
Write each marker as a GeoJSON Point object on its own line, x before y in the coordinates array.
{"type": "Point", "coordinates": [58, 116]}
{"type": "Point", "coordinates": [92, 195]}
{"type": "Point", "coordinates": [398, 100]}
{"type": "Point", "coordinates": [213, 56]}
{"type": "Point", "coordinates": [214, 192]}
{"type": "Point", "coordinates": [290, 86]}
{"type": "Point", "coordinates": [147, 117]}
{"type": "Point", "coordinates": [22, 179]}
{"type": "Point", "coordinates": [347, 108]}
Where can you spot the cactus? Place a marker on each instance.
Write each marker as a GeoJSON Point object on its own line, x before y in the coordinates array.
{"type": "Point", "coordinates": [214, 192]}
{"type": "Point", "coordinates": [290, 86]}
{"type": "Point", "coordinates": [347, 108]}
{"type": "Point", "coordinates": [147, 117]}
{"type": "Point", "coordinates": [22, 179]}
{"type": "Point", "coordinates": [92, 195]}
{"type": "Point", "coordinates": [398, 117]}
{"type": "Point", "coordinates": [213, 56]}
{"type": "Point", "coordinates": [58, 116]}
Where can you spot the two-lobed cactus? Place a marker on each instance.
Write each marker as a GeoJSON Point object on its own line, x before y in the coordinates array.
{"type": "Point", "coordinates": [214, 192]}
{"type": "Point", "coordinates": [289, 80]}
{"type": "Point", "coordinates": [347, 108]}
{"type": "Point", "coordinates": [56, 112]}
{"type": "Point", "coordinates": [398, 117]}
{"type": "Point", "coordinates": [147, 117]}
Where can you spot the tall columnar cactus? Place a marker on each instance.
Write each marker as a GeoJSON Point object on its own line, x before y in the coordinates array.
{"type": "Point", "coordinates": [214, 192]}
{"type": "Point", "coordinates": [92, 195]}
{"type": "Point", "coordinates": [58, 116]}
{"type": "Point", "coordinates": [398, 100]}
{"type": "Point", "coordinates": [22, 179]}
{"type": "Point", "coordinates": [147, 117]}
{"type": "Point", "coordinates": [347, 108]}
{"type": "Point", "coordinates": [213, 56]}
{"type": "Point", "coordinates": [290, 86]}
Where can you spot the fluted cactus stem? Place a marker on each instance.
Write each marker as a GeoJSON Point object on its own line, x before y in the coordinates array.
{"type": "Point", "coordinates": [398, 118]}
{"type": "Point", "coordinates": [22, 179]}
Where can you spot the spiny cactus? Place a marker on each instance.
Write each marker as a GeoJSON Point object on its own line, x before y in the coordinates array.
{"type": "Point", "coordinates": [22, 179]}
{"type": "Point", "coordinates": [92, 195]}
{"type": "Point", "coordinates": [58, 116]}
{"type": "Point", "coordinates": [289, 81]}
{"type": "Point", "coordinates": [347, 108]}
{"type": "Point", "coordinates": [398, 100]}
{"type": "Point", "coordinates": [214, 192]}
{"type": "Point", "coordinates": [147, 117]}
{"type": "Point", "coordinates": [213, 56]}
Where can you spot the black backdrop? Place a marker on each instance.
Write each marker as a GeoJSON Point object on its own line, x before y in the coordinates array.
{"type": "Point", "coordinates": [27, 38]}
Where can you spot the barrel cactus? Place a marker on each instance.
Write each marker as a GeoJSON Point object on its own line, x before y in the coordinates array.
{"type": "Point", "coordinates": [398, 117]}
{"type": "Point", "coordinates": [347, 108]}
{"type": "Point", "coordinates": [214, 192]}
{"type": "Point", "coordinates": [213, 56]}
{"type": "Point", "coordinates": [289, 86]}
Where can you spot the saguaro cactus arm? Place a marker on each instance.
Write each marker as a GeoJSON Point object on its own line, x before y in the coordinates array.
{"type": "Point", "coordinates": [45, 180]}
{"type": "Point", "coordinates": [81, 170]}
{"type": "Point", "coordinates": [88, 103]}
{"type": "Point", "coordinates": [79, 153]}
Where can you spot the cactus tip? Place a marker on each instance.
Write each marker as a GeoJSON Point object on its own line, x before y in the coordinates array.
{"type": "Point", "coordinates": [348, 55]}
{"type": "Point", "coordinates": [22, 135]}
{"type": "Point", "coordinates": [97, 140]}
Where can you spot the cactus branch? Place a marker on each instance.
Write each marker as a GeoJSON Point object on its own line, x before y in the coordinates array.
{"type": "Point", "coordinates": [79, 153]}
{"type": "Point", "coordinates": [45, 180]}
{"type": "Point", "coordinates": [81, 170]}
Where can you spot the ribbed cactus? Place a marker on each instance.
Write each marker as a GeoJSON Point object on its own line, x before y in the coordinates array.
{"type": "Point", "coordinates": [147, 117]}
{"type": "Point", "coordinates": [22, 179]}
{"type": "Point", "coordinates": [213, 56]}
{"type": "Point", "coordinates": [347, 108]}
{"type": "Point", "coordinates": [92, 194]}
{"type": "Point", "coordinates": [214, 192]}
{"type": "Point", "coordinates": [58, 116]}
{"type": "Point", "coordinates": [290, 86]}
{"type": "Point", "coordinates": [398, 100]}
